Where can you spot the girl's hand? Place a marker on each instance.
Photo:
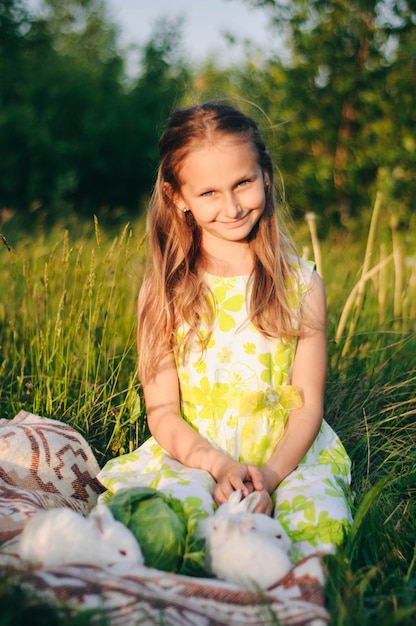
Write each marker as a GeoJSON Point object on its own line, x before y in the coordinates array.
{"type": "Point", "coordinates": [235, 475]}
{"type": "Point", "coordinates": [265, 505]}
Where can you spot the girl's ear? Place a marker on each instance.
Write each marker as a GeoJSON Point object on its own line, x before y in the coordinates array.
{"type": "Point", "coordinates": [173, 196]}
{"type": "Point", "coordinates": [266, 180]}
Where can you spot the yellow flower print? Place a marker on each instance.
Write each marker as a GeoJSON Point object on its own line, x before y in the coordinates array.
{"type": "Point", "coordinates": [240, 379]}
{"type": "Point", "coordinates": [336, 458]}
{"type": "Point", "coordinates": [293, 290]}
{"type": "Point", "coordinates": [189, 412]}
{"type": "Point", "coordinates": [232, 421]}
{"type": "Point", "coordinates": [200, 366]}
{"type": "Point", "coordinates": [234, 304]}
{"type": "Point", "coordinates": [331, 490]}
{"type": "Point", "coordinates": [179, 335]}
{"type": "Point", "coordinates": [156, 450]}
{"type": "Point", "coordinates": [326, 530]}
{"type": "Point", "coordinates": [192, 502]}
{"type": "Point", "coordinates": [266, 374]}
{"type": "Point", "coordinates": [277, 368]}
{"type": "Point", "coordinates": [117, 462]}
{"type": "Point", "coordinates": [207, 396]}
{"type": "Point", "coordinates": [225, 355]}
{"type": "Point", "coordinates": [254, 448]}
{"type": "Point", "coordinates": [184, 376]}
{"type": "Point", "coordinates": [297, 504]}
{"type": "Point", "coordinates": [201, 342]}
{"type": "Point", "coordinates": [249, 348]}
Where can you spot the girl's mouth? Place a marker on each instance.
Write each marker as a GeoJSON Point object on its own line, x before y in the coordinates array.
{"type": "Point", "coordinates": [235, 222]}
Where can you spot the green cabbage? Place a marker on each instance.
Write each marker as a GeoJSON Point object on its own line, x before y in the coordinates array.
{"type": "Point", "coordinates": [166, 532]}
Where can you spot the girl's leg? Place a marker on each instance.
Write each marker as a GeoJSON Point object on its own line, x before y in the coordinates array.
{"type": "Point", "coordinates": [150, 466]}
{"type": "Point", "coordinates": [313, 502]}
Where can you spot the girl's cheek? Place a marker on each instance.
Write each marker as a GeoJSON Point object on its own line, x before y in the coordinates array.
{"type": "Point", "coordinates": [254, 198]}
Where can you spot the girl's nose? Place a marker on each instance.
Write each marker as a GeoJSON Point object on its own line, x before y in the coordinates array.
{"type": "Point", "coordinates": [232, 208]}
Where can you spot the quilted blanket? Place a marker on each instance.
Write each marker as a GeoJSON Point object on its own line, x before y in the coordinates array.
{"type": "Point", "coordinates": [45, 464]}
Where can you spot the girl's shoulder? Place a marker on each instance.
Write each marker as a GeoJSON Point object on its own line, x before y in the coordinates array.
{"type": "Point", "coordinates": [303, 270]}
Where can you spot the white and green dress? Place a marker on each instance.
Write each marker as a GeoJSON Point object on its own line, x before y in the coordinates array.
{"type": "Point", "coordinates": [237, 394]}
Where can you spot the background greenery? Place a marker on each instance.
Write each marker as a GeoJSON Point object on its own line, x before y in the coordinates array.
{"type": "Point", "coordinates": [78, 150]}
{"type": "Point", "coordinates": [67, 351]}
{"type": "Point", "coordinates": [79, 135]}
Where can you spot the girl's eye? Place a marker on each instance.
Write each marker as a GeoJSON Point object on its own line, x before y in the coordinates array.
{"type": "Point", "coordinates": [207, 193]}
{"type": "Point", "coordinates": [243, 182]}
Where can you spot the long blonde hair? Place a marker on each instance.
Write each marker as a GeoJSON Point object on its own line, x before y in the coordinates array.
{"type": "Point", "coordinates": [174, 292]}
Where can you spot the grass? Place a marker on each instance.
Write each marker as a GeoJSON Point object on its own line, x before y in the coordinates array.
{"type": "Point", "coordinates": [67, 351]}
{"type": "Point", "coordinates": [21, 608]}
{"type": "Point", "coordinates": [68, 336]}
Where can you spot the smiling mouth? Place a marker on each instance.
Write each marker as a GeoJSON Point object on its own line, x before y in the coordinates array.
{"type": "Point", "coordinates": [236, 221]}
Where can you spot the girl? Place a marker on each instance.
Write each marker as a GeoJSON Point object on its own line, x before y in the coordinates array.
{"type": "Point", "coordinates": [232, 346]}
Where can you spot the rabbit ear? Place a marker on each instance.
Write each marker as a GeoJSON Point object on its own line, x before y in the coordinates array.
{"type": "Point", "coordinates": [101, 517]}
{"type": "Point", "coordinates": [235, 497]}
{"type": "Point", "coordinates": [250, 502]}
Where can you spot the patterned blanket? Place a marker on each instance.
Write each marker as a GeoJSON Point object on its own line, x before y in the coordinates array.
{"type": "Point", "coordinates": [46, 464]}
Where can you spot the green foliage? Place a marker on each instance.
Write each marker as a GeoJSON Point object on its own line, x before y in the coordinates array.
{"type": "Point", "coordinates": [142, 510]}
{"type": "Point", "coordinates": [177, 546]}
{"type": "Point", "coordinates": [20, 607]}
{"type": "Point", "coordinates": [72, 136]}
{"type": "Point", "coordinates": [67, 351]}
{"type": "Point", "coordinates": [338, 115]}
{"type": "Point", "coordinates": [371, 402]}
{"type": "Point", "coordinates": [345, 127]}
{"type": "Point", "coordinates": [337, 108]}
{"type": "Point", "coordinates": [67, 333]}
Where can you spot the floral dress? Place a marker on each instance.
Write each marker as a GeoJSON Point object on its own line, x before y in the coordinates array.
{"type": "Point", "coordinates": [237, 394]}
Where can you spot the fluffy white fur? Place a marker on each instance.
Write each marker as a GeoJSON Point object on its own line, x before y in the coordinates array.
{"type": "Point", "coordinates": [59, 536]}
{"type": "Point", "coordinates": [247, 548]}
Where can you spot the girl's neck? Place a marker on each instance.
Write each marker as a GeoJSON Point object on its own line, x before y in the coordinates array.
{"type": "Point", "coordinates": [240, 263]}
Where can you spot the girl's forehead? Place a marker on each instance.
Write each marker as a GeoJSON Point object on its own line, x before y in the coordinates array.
{"type": "Point", "coordinates": [218, 140]}
{"type": "Point", "coordinates": [217, 143]}
{"type": "Point", "coordinates": [210, 150]}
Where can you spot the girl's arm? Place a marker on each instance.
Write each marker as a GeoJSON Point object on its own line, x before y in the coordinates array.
{"type": "Point", "coordinates": [178, 438]}
{"type": "Point", "coordinates": [309, 374]}
{"type": "Point", "coordinates": [184, 443]}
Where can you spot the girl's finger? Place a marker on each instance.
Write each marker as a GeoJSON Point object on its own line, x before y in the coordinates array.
{"type": "Point", "coordinates": [256, 477]}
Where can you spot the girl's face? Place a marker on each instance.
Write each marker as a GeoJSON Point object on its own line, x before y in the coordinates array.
{"type": "Point", "coordinates": [222, 185]}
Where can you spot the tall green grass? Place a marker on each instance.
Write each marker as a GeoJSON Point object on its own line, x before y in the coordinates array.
{"type": "Point", "coordinates": [68, 334]}
{"type": "Point", "coordinates": [371, 402]}
{"type": "Point", "coordinates": [68, 351]}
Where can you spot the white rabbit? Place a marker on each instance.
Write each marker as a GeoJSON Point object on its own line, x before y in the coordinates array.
{"type": "Point", "coordinates": [262, 522]}
{"type": "Point", "coordinates": [235, 503]}
{"type": "Point", "coordinates": [58, 536]}
{"type": "Point", "coordinates": [245, 547]}
{"type": "Point", "coordinates": [238, 552]}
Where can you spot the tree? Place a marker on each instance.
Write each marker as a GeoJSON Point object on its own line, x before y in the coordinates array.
{"type": "Point", "coordinates": [340, 100]}
{"type": "Point", "coordinates": [72, 135]}
{"type": "Point", "coordinates": [161, 86]}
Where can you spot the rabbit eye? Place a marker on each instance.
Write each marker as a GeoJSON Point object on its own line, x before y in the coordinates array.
{"type": "Point", "coordinates": [278, 536]}
{"type": "Point", "coordinates": [123, 552]}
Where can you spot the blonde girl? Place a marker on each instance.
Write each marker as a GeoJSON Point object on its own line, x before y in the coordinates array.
{"type": "Point", "coordinates": [232, 340]}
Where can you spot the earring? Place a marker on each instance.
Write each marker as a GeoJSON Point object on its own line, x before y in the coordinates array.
{"type": "Point", "coordinates": [184, 209]}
